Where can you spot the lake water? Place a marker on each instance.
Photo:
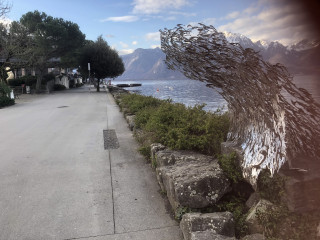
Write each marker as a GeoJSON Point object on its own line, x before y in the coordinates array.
{"type": "Point", "coordinates": [192, 92]}
{"type": "Point", "coordinates": [188, 92]}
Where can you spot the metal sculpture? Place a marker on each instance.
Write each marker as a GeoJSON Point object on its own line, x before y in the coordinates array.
{"type": "Point", "coordinates": [272, 120]}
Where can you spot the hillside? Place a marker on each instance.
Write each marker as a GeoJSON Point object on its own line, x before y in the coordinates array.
{"type": "Point", "coordinates": [147, 64]}
{"type": "Point", "coordinates": [302, 57]}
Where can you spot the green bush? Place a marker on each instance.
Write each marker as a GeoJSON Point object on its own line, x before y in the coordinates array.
{"type": "Point", "coordinates": [4, 89]}
{"type": "Point", "coordinates": [271, 187]}
{"type": "Point", "coordinates": [177, 126]}
{"type": "Point", "coordinates": [237, 207]}
{"type": "Point", "coordinates": [72, 84]}
{"type": "Point", "coordinates": [5, 101]}
{"type": "Point", "coordinates": [48, 77]}
{"type": "Point", "coordinates": [16, 82]}
{"type": "Point", "coordinates": [145, 151]}
{"type": "Point", "coordinates": [136, 102]}
{"type": "Point", "coordinates": [231, 166]}
{"type": "Point", "coordinates": [58, 87]}
{"type": "Point", "coordinates": [189, 128]}
{"type": "Point", "coordinates": [27, 80]}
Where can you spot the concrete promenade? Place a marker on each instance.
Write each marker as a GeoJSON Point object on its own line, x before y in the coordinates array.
{"type": "Point", "coordinates": [57, 180]}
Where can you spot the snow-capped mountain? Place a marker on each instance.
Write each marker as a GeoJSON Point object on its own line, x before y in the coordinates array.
{"type": "Point", "coordinates": [305, 45]}
{"type": "Point", "coordinates": [302, 57]}
{"type": "Point", "coordinates": [147, 64]}
{"type": "Point", "coordinates": [263, 44]}
{"type": "Point", "coordinates": [244, 41]}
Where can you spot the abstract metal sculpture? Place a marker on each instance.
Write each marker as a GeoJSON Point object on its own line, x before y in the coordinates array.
{"type": "Point", "coordinates": [272, 120]}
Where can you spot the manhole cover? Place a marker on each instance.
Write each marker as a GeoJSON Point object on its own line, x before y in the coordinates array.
{"type": "Point", "coordinates": [62, 106]}
{"type": "Point", "coordinates": [110, 139]}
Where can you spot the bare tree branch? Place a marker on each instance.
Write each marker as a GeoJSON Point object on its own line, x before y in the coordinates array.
{"type": "Point", "coordinates": [5, 7]}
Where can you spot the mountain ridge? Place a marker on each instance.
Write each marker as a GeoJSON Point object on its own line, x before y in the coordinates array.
{"type": "Point", "coordinates": [302, 57]}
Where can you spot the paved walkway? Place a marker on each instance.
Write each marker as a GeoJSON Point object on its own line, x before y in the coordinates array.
{"type": "Point", "coordinates": [58, 182]}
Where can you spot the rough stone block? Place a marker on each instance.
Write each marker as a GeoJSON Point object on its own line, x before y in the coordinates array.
{"type": "Point", "coordinates": [303, 192]}
{"type": "Point", "coordinates": [190, 179]}
{"type": "Point", "coordinates": [252, 220]}
{"type": "Point", "coordinates": [198, 226]}
{"type": "Point", "coordinates": [206, 235]}
{"type": "Point", "coordinates": [256, 236]}
{"type": "Point", "coordinates": [156, 147]}
{"type": "Point", "coordinates": [130, 121]}
{"type": "Point", "coordinates": [230, 147]}
{"type": "Point", "coordinates": [253, 200]}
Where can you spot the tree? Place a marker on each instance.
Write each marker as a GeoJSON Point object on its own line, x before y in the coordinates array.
{"type": "Point", "coordinates": [53, 40]}
{"type": "Point", "coordinates": [104, 61]}
{"type": "Point", "coordinates": [14, 47]}
{"type": "Point", "coordinates": [4, 8]}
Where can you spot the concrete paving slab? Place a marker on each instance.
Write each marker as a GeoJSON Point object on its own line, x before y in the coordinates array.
{"type": "Point", "coordinates": [138, 203]}
{"type": "Point", "coordinates": [58, 182]}
{"type": "Point", "coordinates": [54, 172]}
{"type": "Point", "coordinates": [169, 233]}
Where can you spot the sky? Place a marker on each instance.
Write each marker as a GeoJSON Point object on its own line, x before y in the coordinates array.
{"type": "Point", "coordinates": [130, 24]}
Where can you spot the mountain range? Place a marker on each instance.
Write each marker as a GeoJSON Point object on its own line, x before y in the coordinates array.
{"type": "Point", "coordinates": [302, 57]}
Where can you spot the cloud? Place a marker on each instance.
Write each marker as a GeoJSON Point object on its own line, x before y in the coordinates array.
{"type": "Point", "coordinates": [124, 45]}
{"type": "Point", "coordinates": [128, 18]}
{"type": "Point", "coordinates": [125, 51]}
{"type": "Point", "coordinates": [233, 15]}
{"type": "Point", "coordinates": [283, 20]}
{"type": "Point", "coordinates": [134, 43]}
{"type": "Point", "coordinates": [210, 21]}
{"type": "Point", "coordinates": [170, 18]}
{"type": "Point", "coordinates": [109, 36]}
{"type": "Point", "coordinates": [185, 14]}
{"type": "Point", "coordinates": [155, 46]}
{"type": "Point", "coordinates": [154, 7]}
{"type": "Point", "coordinates": [154, 36]}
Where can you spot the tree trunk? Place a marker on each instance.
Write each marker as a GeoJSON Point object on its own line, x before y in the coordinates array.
{"type": "Point", "coordinates": [98, 85]}
{"type": "Point", "coordinates": [38, 85]}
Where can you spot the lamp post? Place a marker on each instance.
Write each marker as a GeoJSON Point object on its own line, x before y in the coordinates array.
{"type": "Point", "coordinates": [89, 77]}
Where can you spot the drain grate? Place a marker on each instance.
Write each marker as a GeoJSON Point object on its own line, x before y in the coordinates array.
{"type": "Point", "coordinates": [62, 106]}
{"type": "Point", "coordinates": [110, 139]}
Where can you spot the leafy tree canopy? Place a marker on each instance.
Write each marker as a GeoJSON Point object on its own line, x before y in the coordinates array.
{"type": "Point", "coordinates": [53, 37]}
{"type": "Point", "coordinates": [53, 40]}
{"type": "Point", "coordinates": [104, 61]}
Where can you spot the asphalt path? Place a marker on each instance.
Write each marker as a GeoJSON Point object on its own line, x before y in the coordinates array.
{"type": "Point", "coordinates": [58, 181]}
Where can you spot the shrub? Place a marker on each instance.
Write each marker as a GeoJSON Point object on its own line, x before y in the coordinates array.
{"type": "Point", "coordinates": [178, 126]}
{"type": "Point", "coordinates": [271, 188]}
{"type": "Point", "coordinates": [4, 89]}
{"type": "Point", "coordinates": [145, 151]}
{"type": "Point", "coordinates": [237, 207]}
{"type": "Point", "coordinates": [58, 87]}
{"type": "Point", "coordinates": [48, 77]}
{"type": "Point", "coordinates": [5, 99]}
{"type": "Point", "coordinates": [231, 166]}
{"type": "Point", "coordinates": [188, 128]}
{"type": "Point", "coordinates": [135, 102]}
{"type": "Point", "coordinates": [16, 82]}
{"type": "Point", "coordinates": [71, 84]}
{"type": "Point", "coordinates": [27, 80]}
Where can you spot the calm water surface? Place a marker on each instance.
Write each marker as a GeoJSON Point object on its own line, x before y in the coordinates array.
{"type": "Point", "coordinates": [192, 92]}
{"type": "Point", "coordinates": [188, 92]}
